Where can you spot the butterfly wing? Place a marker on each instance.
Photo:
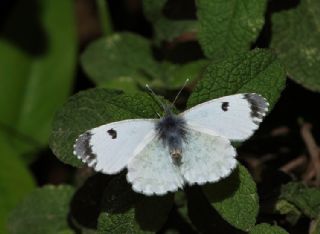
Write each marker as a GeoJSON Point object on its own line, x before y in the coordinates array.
{"type": "Point", "coordinates": [234, 117]}
{"type": "Point", "coordinates": [151, 171]}
{"type": "Point", "coordinates": [206, 158]}
{"type": "Point", "coordinates": [109, 147]}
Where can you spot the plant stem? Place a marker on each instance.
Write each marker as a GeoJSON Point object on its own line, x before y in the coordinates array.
{"type": "Point", "coordinates": [104, 16]}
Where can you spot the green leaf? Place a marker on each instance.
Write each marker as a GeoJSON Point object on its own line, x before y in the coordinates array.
{"type": "Point", "coordinates": [166, 29]}
{"type": "Point", "coordinates": [235, 198]}
{"type": "Point", "coordinates": [257, 71]}
{"type": "Point", "coordinates": [288, 209]}
{"type": "Point", "coordinates": [229, 27]}
{"type": "Point", "coordinates": [45, 210]}
{"type": "Point", "coordinates": [33, 84]}
{"type": "Point", "coordinates": [296, 36]}
{"type": "Point", "coordinates": [265, 228]}
{"type": "Point", "coordinates": [15, 180]}
{"type": "Point", "coordinates": [119, 224]}
{"type": "Point", "coordinates": [304, 198]}
{"type": "Point", "coordinates": [91, 108]}
{"type": "Point", "coordinates": [120, 60]}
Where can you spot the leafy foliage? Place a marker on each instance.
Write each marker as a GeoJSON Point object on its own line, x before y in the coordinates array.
{"type": "Point", "coordinates": [15, 181]}
{"type": "Point", "coordinates": [119, 224]}
{"type": "Point", "coordinates": [257, 71]}
{"type": "Point", "coordinates": [296, 36]}
{"type": "Point", "coordinates": [41, 82]}
{"type": "Point", "coordinates": [41, 73]}
{"type": "Point", "coordinates": [302, 197]}
{"type": "Point", "coordinates": [120, 60]}
{"type": "Point", "coordinates": [44, 210]}
{"type": "Point", "coordinates": [229, 27]}
{"type": "Point", "coordinates": [265, 228]}
{"type": "Point", "coordinates": [235, 198]}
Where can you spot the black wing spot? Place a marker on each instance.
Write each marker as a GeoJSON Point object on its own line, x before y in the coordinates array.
{"type": "Point", "coordinates": [112, 133]}
{"type": "Point", "coordinates": [225, 106]}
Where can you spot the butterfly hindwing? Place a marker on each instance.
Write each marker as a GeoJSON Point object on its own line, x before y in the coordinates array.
{"type": "Point", "coordinates": [109, 147]}
{"type": "Point", "coordinates": [235, 117]}
{"type": "Point", "coordinates": [151, 171]}
{"type": "Point", "coordinates": [206, 158]}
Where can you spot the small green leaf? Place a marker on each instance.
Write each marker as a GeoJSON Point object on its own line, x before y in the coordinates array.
{"type": "Point", "coordinates": [166, 29]}
{"type": "Point", "coordinates": [15, 180]}
{"type": "Point", "coordinates": [45, 210]}
{"type": "Point", "coordinates": [257, 71]}
{"type": "Point", "coordinates": [120, 60]}
{"type": "Point", "coordinates": [123, 223]}
{"type": "Point", "coordinates": [92, 108]}
{"type": "Point", "coordinates": [235, 198]}
{"type": "Point", "coordinates": [265, 228]}
{"type": "Point", "coordinates": [296, 36]}
{"type": "Point", "coordinates": [304, 198]}
{"type": "Point", "coordinates": [229, 27]}
{"type": "Point", "coordinates": [288, 209]}
{"type": "Point", "coordinates": [33, 84]}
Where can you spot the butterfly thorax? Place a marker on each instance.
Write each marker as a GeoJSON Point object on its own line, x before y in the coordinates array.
{"type": "Point", "coordinates": [171, 129]}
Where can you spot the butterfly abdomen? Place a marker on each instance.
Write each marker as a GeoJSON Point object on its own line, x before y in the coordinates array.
{"type": "Point", "coordinates": [171, 129]}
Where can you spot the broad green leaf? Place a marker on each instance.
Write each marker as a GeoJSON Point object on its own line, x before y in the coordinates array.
{"type": "Point", "coordinates": [33, 84]}
{"type": "Point", "coordinates": [45, 210]}
{"type": "Point", "coordinates": [296, 36]}
{"type": "Point", "coordinates": [91, 108]}
{"type": "Point", "coordinates": [166, 29]}
{"type": "Point", "coordinates": [15, 180]}
{"type": "Point", "coordinates": [257, 71]}
{"type": "Point", "coordinates": [229, 27]}
{"type": "Point", "coordinates": [265, 228]}
{"type": "Point", "coordinates": [235, 198]}
{"type": "Point", "coordinates": [306, 199]}
{"type": "Point", "coordinates": [122, 60]}
{"type": "Point", "coordinates": [124, 223]}
{"type": "Point", "coordinates": [286, 208]}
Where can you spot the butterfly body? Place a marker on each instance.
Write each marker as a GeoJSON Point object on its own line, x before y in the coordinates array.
{"type": "Point", "coordinates": [172, 131]}
{"type": "Point", "coordinates": [162, 155]}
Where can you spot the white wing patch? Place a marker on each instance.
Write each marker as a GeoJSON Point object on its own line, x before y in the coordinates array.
{"type": "Point", "coordinates": [152, 171]}
{"type": "Point", "coordinates": [108, 148]}
{"type": "Point", "coordinates": [234, 117]}
{"type": "Point", "coordinates": [206, 158]}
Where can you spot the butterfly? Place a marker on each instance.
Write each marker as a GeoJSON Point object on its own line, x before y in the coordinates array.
{"type": "Point", "coordinates": [162, 155]}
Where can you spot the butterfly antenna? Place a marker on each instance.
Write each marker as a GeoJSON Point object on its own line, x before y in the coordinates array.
{"type": "Point", "coordinates": [184, 85]}
{"type": "Point", "coordinates": [156, 97]}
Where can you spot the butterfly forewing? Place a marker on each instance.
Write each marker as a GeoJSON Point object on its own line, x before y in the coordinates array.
{"type": "Point", "coordinates": [235, 117]}
{"type": "Point", "coordinates": [108, 148]}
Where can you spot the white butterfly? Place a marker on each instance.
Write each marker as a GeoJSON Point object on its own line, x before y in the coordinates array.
{"type": "Point", "coordinates": [162, 155]}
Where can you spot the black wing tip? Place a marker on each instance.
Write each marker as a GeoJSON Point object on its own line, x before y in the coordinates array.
{"type": "Point", "coordinates": [82, 149]}
{"type": "Point", "coordinates": [258, 104]}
